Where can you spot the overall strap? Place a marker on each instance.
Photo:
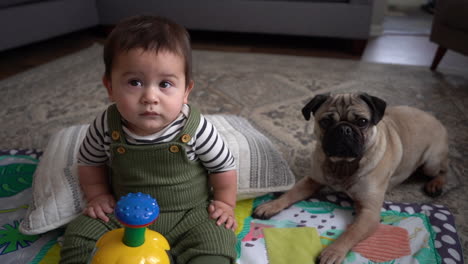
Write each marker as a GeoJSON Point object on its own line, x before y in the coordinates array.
{"type": "Point", "coordinates": [114, 121]}
{"type": "Point", "coordinates": [190, 127]}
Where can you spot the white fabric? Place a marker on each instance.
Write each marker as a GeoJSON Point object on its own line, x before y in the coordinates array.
{"type": "Point", "coordinates": [260, 167]}
{"type": "Point", "coordinates": [57, 197]}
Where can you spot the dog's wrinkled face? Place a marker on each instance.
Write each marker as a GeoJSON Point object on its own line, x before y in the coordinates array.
{"type": "Point", "coordinates": [344, 122]}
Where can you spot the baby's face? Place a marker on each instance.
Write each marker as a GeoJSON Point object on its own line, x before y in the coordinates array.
{"type": "Point", "coordinates": [149, 89]}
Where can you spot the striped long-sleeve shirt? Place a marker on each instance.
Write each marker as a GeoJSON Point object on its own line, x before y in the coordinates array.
{"type": "Point", "coordinates": [206, 146]}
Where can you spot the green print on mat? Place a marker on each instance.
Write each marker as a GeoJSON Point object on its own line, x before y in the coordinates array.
{"type": "Point", "coordinates": [15, 178]}
{"type": "Point", "coordinates": [11, 239]}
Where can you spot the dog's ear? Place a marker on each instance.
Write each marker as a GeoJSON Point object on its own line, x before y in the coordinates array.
{"type": "Point", "coordinates": [313, 105]}
{"type": "Point", "coordinates": [376, 105]}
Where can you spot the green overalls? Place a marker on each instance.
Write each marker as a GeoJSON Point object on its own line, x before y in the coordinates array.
{"type": "Point", "coordinates": [179, 185]}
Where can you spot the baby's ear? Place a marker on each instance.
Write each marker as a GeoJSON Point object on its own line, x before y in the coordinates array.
{"type": "Point", "coordinates": [188, 89]}
{"type": "Point", "coordinates": [107, 83]}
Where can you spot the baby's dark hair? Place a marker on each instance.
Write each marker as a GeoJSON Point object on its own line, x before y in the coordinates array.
{"type": "Point", "coordinates": [151, 33]}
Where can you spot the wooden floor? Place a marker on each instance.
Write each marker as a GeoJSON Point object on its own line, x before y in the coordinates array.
{"type": "Point", "coordinates": [407, 49]}
{"type": "Point", "coordinates": [19, 59]}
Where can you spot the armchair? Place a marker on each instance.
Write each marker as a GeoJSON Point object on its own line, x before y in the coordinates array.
{"type": "Point", "coordinates": [449, 28]}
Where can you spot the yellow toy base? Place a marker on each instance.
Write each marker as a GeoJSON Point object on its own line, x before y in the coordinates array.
{"type": "Point", "coordinates": [111, 250]}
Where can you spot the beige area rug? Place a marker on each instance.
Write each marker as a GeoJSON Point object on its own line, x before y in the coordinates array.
{"type": "Point", "coordinates": [269, 90]}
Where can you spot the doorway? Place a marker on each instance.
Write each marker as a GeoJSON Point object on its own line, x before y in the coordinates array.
{"type": "Point", "coordinates": [408, 17]}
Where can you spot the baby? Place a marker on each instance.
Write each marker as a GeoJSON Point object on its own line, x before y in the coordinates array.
{"type": "Point", "coordinates": [151, 141]}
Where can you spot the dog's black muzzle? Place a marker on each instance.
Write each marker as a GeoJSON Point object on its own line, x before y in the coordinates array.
{"type": "Point", "coordinates": [343, 140]}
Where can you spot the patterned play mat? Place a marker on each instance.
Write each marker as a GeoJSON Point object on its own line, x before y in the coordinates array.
{"type": "Point", "coordinates": [408, 233]}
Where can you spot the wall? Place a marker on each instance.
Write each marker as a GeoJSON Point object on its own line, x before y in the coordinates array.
{"type": "Point", "coordinates": [406, 2]}
{"type": "Point", "coordinates": [378, 14]}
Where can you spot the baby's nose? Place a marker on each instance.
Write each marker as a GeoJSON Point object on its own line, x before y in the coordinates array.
{"type": "Point", "coordinates": [150, 96]}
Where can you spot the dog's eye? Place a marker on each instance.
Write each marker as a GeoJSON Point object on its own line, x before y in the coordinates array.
{"type": "Point", "coordinates": [362, 122]}
{"type": "Point", "coordinates": [326, 122]}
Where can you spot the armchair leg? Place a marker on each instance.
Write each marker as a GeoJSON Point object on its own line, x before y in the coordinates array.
{"type": "Point", "coordinates": [438, 57]}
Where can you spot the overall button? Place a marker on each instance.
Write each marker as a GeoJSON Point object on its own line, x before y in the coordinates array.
{"type": "Point", "coordinates": [185, 138]}
{"type": "Point", "coordinates": [174, 149]}
{"type": "Point", "coordinates": [121, 150]}
{"type": "Point", "coordinates": [115, 135]}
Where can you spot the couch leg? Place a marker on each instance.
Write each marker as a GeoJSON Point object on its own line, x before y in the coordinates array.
{"type": "Point", "coordinates": [438, 57]}
{"type": "Point", "coordinates": [358, 46]}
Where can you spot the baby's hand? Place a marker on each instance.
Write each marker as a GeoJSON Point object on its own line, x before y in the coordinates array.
{"type": "Point", "coordinates": [224, 213]}
{"type": "Point", "coordinates": [99, 206]}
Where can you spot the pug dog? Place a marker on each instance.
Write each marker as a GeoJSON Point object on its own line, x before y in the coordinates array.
{"type": "Point", "coordinates": [364, 148]}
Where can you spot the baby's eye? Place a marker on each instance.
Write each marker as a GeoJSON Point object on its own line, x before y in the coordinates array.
{"type": "Point", "coordinates": [135, 83]}
{"type": "Point", "coordinates": [165, 84]}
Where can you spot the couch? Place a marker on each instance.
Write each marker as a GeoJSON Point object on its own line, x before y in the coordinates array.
{"type": "Point", "coordinates": [26, 21]}
{"type": "Point", "coordinates": [449, 28]}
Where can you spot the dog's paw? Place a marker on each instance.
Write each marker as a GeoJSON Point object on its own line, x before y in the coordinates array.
{"type": "Point", "coordinates": [333, 254]}
{"type": "Point", "coordinates": [267, 210]}
{"type": "Point", "coordinates": [434, 187]}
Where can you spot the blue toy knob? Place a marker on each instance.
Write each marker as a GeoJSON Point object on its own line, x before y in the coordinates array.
{"type": "Point", "coordinates": [137, 210]}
